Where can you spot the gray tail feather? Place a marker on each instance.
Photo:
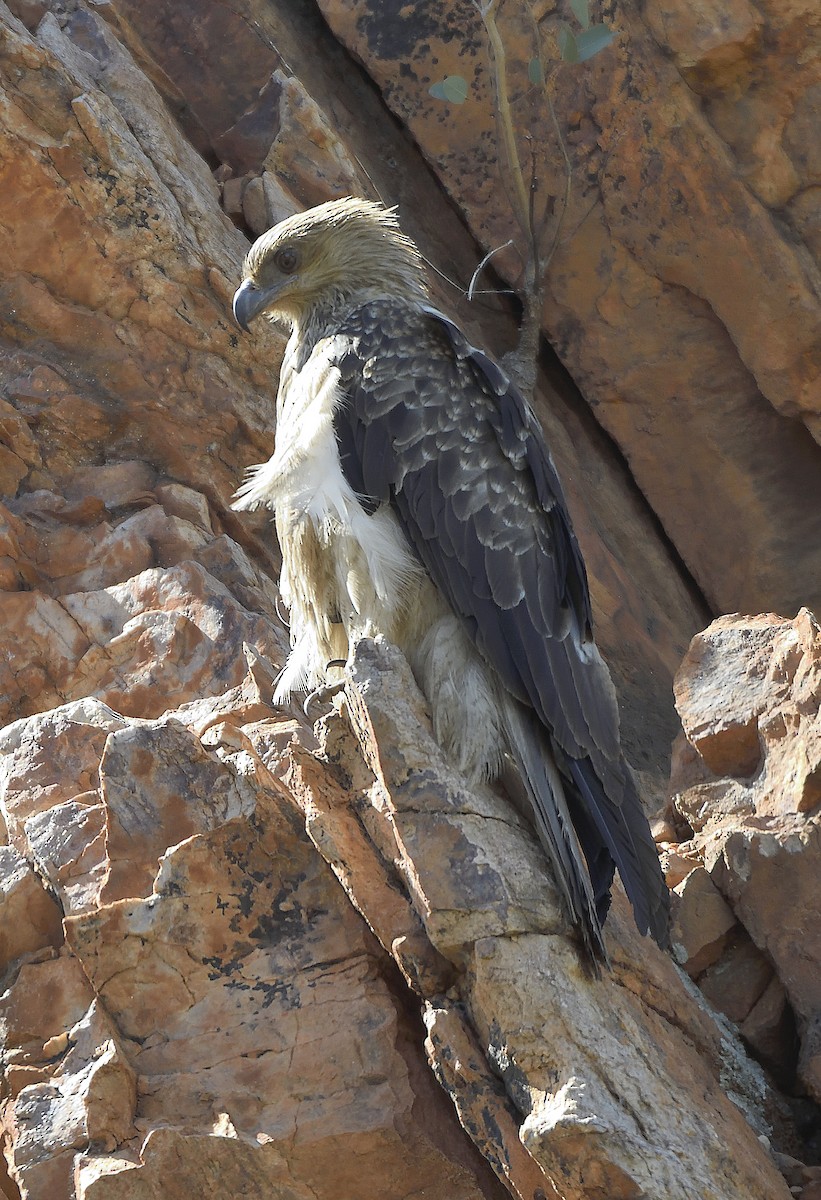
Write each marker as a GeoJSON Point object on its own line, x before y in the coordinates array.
{"type": "Point", "coordinates": [544, 786]}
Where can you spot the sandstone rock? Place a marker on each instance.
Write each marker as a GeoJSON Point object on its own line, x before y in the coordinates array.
{"type": "Point", "coordinates": [218, 969]}
{"type": "Point", "coordinates": [662, 830]}
{"type": "Point", "coordinates": [220, 1016]}
{"type": "Point", "coordinates": [768, 878]}
{"type": "Point", "coordinates": [159, 788]}
{"type": "Point", "coordinates": [459, 1065]}
{"type": "Point", "coordinates": [714, 40]}
{"type": "Point", "coordinates": [571, 1125]}
{"type": "Point", "coordinates": [702, 923]}
{"type": "Point", "coordinates": [143, 646]}
{"type": "Point", "coordinates": [279, 201]}
{"type": "Point", "coordinates": [368, 879]}
{"type": "Point", "coordinates": [50, 759]}
{"type": "Point", "coordinates": [232, 196]}
{"type": "Point", "coordinates": [153, 329]}
{"type": "Point", "coordinates": [720, 708]}
{"type": "Point", "coordinates": [16, 551]}
{"type": "Point", "coordinates": [759, 836]}
{"type": "Point", "coordinates": [254, 208]}
{"type": "Point", "coordinates": [67, 843]}
{"type": "Point", "coordinates": [200, 950]}
{"type": "Point", "coordinates": [52, 644]}
{"type": "Point", "coordinates": [474, 832]}
{"type": "Point", "coordinates": [307, 154]}
{"type": "Point", "coordinates": [118, 485]}
{"type": "Point", "coordinates": [586, 1140]}
{"type": "Point", "coordinates": [651, 244]}
{"type": "Point", "coordinates": [676, 866]}
{"type": "Point", "coordinates": [736, 983]}
{"type": "Point", "coordinates": [29, 918]}
{"type": "Point", "coordinates": [186, 504]}
{"type": "Point", "coordinates": [769, 1028]}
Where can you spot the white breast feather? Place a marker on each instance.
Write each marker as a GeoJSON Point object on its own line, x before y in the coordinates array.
{"type": "Point", "coordinates": [303, 481]}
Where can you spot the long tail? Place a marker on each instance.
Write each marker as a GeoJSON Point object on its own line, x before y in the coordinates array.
{"type": "Point", "coordinates": [613, 823]}
{"type": "Point", "coordinates": [555, 826]}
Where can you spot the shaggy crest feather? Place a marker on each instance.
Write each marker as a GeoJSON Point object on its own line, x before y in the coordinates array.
{"type": "Point", "coordinates": [348, 247]}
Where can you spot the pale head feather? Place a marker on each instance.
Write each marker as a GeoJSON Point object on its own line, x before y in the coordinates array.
{"type": "Point", "coordinates": [343, 249]}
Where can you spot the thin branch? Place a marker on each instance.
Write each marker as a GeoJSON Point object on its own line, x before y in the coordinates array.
{"type": "Point", "coordinates": [505, 116]}
{"type": "Point", "coordinates": [452, 282]}
{"type": "Point", "coordinates": [537, 270]}
{"type": "Point", "coordinates": [471, 289]}
{"type": "Point", "coordinates": [568, 182]}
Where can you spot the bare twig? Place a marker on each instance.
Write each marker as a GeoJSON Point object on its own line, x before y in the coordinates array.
{"type": "Point", "coordinates": [505, 116]}
{"type": "Point", "coordinates": [472, 286]}
{"type": "Point", "coordinates": [568, 182]}
{"type": "Point", "coordinates": [522, 361]}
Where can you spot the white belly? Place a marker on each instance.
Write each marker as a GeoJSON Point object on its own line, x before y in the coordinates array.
{"type": "Point", "coordinates": [345, 573]}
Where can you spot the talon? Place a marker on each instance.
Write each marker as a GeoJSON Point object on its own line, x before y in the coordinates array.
{"type": "Point", "coordinates": [326, 691]}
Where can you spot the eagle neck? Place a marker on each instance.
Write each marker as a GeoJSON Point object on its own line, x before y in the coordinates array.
{"type": "Point", "coordinates": [321, 318]}
{"type": "Point", "coordinates": [325, 316]}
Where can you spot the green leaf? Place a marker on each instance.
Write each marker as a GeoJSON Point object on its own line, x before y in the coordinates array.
{"type": "Point", "coordinates": [452, 88]}
{"type": "Point", "coordinates": [592, 40]}
{"type": "Point", "coordinates": [581, 11]}
{"type": "Point", "coordinates": [567, 44]}
{"type": "Point", "coordinates": [534, 71]}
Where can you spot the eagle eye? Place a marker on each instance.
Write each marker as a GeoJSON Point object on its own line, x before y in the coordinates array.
{"type": "Point", "coordinates": [287, 260]}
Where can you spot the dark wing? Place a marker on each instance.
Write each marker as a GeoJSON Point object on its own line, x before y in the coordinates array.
{"type": "Point", "coordinates": [434, 426]}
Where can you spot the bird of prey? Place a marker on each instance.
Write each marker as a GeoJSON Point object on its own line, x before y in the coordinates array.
{"type": "Point", "coordinates": [415, 497]}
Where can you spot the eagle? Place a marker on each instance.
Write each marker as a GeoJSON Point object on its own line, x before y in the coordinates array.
{"type": "Point", "coordinates": [415, 497]}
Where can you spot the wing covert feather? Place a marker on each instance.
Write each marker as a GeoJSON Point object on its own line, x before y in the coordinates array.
{"type": "Point", "coordinates": [442, 435]}
{"type": "Point", "coordinates": [452, 445]}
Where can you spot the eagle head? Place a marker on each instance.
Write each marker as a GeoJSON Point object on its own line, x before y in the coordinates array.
{"type": "Point", "coordinates": [328, 256]}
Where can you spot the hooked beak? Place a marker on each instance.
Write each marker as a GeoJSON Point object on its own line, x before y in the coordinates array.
{"type": "Point", "coordinates": [250, 301]}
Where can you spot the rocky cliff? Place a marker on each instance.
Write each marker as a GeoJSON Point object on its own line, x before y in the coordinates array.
{"type": "Point", "coordinates": [249, 951]}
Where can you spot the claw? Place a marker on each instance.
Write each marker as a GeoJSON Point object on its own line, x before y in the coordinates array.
{"type": "Point", "coordinates": [327, 691]}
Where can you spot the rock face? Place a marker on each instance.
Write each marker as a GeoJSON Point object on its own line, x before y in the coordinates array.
{"type": "Point", "coordinates": [749, 694]}
{"type": "Point", "coordinates": [684, 291]}
{"type": "Point", "coordinates": [248, 955]}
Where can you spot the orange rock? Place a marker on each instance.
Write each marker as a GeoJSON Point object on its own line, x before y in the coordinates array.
{"type": "Point", "coordinates": [707, 40]}
{"type": "Point", "coordinates": [721, 687]}
{"type": "Point", "coordinates": [680, 151]}
{"type": "Point", "coordinates": [232, 196]}
{"type": "Point", "coordinates": [117, 485]}
{"type": "Point", "coordinates": [228, 975]}
{"type": "Point", "coordinates": [770, 1029]}
{"type": "Point", "coordinates": [229, 993]}
{"type": "Point", "coordinates": [221, 1010]}
{"type": "Point", "coordinates": [160, 787]}
{"type": "Point", "coordinates": [702, 922]}
{"type": "Point", "coordinates": [184, 503]}
{"type": "Point", "coordinates": [29, 918]}
{"type": "Point", "coordinates": [676, 867]}
{"type": "Point", "coordinates": [758, 836]}
{"type": "Point", "coordinates": [738, 980]}
{"type": "Point", "coordinates": [526, 979]}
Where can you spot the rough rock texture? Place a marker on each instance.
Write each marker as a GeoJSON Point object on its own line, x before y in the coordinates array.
{"type": "Point", "coordinates": [243, 954]}
{"type": "Point", "coordinates": [193, 1009]}
{"type": "Point", "coordinates": [685, 293]}
{"type": "Point", "coordinates": [749, 695]}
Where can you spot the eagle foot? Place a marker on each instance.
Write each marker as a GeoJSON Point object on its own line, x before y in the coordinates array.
{"type": "Point", "coordinates": [325, 693]}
